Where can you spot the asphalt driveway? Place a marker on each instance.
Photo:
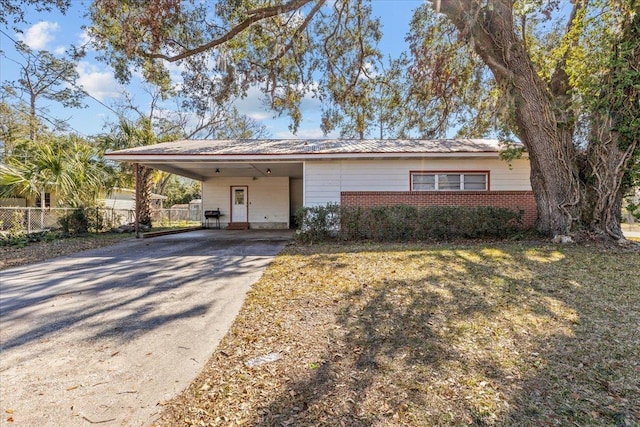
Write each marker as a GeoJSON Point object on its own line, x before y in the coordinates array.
{"type": "Point", "coordinates": [104, 337]}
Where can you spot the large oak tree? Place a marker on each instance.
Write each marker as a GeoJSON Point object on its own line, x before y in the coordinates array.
{"type": "Point", "coordinates": [563, 78]}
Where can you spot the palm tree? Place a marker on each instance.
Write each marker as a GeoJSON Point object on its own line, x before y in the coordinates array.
{"type": "Point", "coordinates": [130, 134]}
{"type": "Point", "coordinates": [68, 166]}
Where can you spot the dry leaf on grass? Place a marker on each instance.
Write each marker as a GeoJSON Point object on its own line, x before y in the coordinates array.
{"type": "Point", "coordinates": [397, 335]}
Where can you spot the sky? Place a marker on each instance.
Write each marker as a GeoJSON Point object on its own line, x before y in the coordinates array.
{"type": "Point", "coordinates": [56, 32]}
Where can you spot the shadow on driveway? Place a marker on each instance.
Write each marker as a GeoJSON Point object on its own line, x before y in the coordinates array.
{"type": "Point", "coordinates": [103, 336]}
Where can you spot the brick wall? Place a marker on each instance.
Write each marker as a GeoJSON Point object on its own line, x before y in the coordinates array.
{"type": "Point", "coordinates": [515, 200]}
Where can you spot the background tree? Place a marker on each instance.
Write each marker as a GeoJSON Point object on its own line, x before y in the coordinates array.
{"type": "Point", "coordinates": [376, 110]}
{"type": "Point", "coordinates": [44, 76]}
{"type": "Point", "coordinates": [530, 70]}
{"type": "Point", "coordinates": [181, 190]}
{"type": "Point", "coordinates": [223, 53]}
{"type": "Point", "coordinates": [14, 127]}
{"type": "Point", "coordinates": [139, 126]}
{"type": "Point", "coordinates": [12, 11]}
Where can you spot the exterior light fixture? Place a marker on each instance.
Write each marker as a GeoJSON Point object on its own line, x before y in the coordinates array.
{"type": "Point", "coordinates": [268, 170]}
{"type": "Point", "coordinates": [217, 170]}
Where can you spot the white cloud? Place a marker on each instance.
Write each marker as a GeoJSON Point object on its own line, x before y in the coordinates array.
{"type": "Point", "coordinates": [176, 69]}
{"type": "Point", "coordinates": [84, 39]}
{"type": "Point", "coordinates": [99, 84]}
{"type": "Point", "coordinates": [253, 105]}
{"type": "Point", "coordinates": [59, 50]}
{"type": "Point", "coordinates": [40, 34]}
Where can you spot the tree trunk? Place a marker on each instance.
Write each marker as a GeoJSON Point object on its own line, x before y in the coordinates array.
{"type": "Point", "coordinates": [567, 201]}
{"type": "Point", "coordinates": [614, 134]}
{"type": "Point", "coordinates": [554, 175]}
{"type": "Point", "coordinates": [33, 118]}
{"type": "Point", "coordinates": [546, 135]}
{"type": "Point", "coordinates": [145, 196]}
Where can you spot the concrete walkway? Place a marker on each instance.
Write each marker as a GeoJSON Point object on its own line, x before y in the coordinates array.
{"type": "Point", "coordinates": [104, 337]}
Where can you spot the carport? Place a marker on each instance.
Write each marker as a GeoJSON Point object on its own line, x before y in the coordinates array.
{"type": "Point", "coordinates": [247, 182]}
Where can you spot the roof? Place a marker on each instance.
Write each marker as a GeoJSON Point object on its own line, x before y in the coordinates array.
{"type": "Point", "coordinates": [308, 148]}
{"type": "Point", "coordinates": [204, 159]}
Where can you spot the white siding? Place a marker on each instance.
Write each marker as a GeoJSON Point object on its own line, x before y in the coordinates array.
{"type": "Point", "coordinates": [515, 178]}
{"type": "Point", "coordinates": [378, 175]}
{"type": "Point", "coordinates": [268, 199]}
{"type": "Point", "coordinates": [324, 180]}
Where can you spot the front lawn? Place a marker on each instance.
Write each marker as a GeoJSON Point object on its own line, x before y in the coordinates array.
{"type": "Point", "coordinates": [397, 335]}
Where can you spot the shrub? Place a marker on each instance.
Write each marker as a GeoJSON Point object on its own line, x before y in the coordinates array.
{"type": "Point", "coordinates": [15, 233]}
{"type": "Point", "coordinates": [82, 220]}
{"type": "Point", "coordinates": [75, 222]}
{"type": "Point", "coordinates": [318, 223]}
{"type": "Point", "coordinates": [23, 239]}
{"type": "Point", "coordinates": [403, 223]}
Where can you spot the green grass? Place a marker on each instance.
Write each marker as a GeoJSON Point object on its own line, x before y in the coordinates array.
{"type": "Point", "coordinates": [403, 335]}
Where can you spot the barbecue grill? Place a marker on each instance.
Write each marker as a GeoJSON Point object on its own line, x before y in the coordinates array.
{"type": "Point", "coordinates": [214, 216]}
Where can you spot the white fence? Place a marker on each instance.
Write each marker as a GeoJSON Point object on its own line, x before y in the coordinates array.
{"type": "Point", "coordinates": [31, 220]}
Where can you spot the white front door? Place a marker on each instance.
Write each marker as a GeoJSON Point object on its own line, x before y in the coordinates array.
{"type": "Point", "coordinates": [239, 205]}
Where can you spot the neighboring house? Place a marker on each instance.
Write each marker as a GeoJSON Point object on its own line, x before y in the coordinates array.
{"type": "Point", "coordinates": [118, 198]}
{"type": "Point", "coordinates": [13, 202]}
{"type": "Point", "coordinates": [125, 199]}
{"type": "Point", "coordinates": [261, 183]}
{"type": "Point", "coordinates": [120, 204]}
{"type": "Point", "coordinates": [50, 200]}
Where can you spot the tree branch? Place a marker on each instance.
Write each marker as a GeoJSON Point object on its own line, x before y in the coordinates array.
{"type": "Point", "coordinates": [465, 16]}
{"type": "Point", "coordinates": [254, 16]}
{"type": "Point", "coordinates": [300, 29]}
{"type": "Point", "coordinates": [559, 83]}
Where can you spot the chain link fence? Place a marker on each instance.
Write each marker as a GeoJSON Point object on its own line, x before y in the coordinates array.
{"type": "Point", "coordinates": [33, 220]}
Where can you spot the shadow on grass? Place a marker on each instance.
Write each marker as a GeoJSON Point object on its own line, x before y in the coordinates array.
{"type": "Point", "coordinates": [475, 335]}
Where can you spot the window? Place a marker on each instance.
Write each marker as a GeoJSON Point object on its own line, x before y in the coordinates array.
{"type": "Point", "coordinates": [239, 199]}
{"type": "Point", "coordinates": [47, 200]}
{"type": "Point", "coordinates": [432, 181]}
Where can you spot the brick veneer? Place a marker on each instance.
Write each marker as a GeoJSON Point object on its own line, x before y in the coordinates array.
{"type": "Point", "coordinates": [515, 200]}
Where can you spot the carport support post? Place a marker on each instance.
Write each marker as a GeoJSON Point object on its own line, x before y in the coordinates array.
{"type": "Point", "coordinates": [136, 223]}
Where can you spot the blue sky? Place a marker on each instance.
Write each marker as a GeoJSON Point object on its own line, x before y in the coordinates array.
{"type": "Point", "coordinates": [56, 32]}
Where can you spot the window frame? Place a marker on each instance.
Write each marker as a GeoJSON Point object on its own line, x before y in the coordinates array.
{"type": "Point", "coordinates": [461, 173]}
{"type": "Point", "coordinates": [47, 200]}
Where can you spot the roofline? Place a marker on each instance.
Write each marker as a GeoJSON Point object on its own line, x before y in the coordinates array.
{"type": "Point", "coordinates": [294, 157]}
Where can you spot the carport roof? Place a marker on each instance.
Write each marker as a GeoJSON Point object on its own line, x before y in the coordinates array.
{"type": "Point", "coordinates": [306, 148]}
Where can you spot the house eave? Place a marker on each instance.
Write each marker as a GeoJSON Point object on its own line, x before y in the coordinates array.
{"type": "Point", "coordinates": [143, 158]}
